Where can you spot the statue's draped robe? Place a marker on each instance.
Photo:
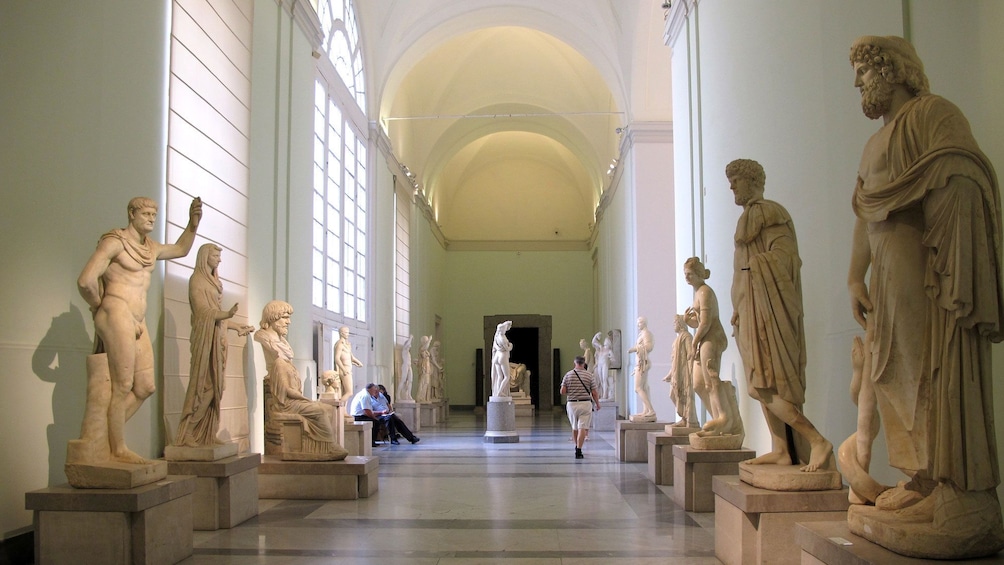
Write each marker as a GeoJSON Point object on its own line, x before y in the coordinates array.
{"type": "Point", "coordinates": [200, 415]}
{"type": "Point", "coordinates": [935, 239]}
{"type": "Point", "coordinates": [681, 380]}
{"type": "Point", "coordinates": [767, 296]}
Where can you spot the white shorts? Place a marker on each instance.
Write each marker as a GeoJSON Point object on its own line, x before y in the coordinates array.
{"type": "Point", "coordinates": [580, 414]}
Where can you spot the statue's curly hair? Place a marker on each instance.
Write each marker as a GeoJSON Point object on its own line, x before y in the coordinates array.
{"type": "Point", "coordinates": [893, 66]}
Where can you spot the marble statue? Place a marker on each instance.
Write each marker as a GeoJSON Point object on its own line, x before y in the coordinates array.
{"type": "Point", "coordinates": [345, 360]}
{"type": "Point", "coordinates": [519, 379]}
{"type": "Point", "coordinates": [767, 321]}
{"type": "Point", "coordinates": [406, 373]}
{"type": "Point", "coordinates": [500, 360]}
{"type": "Point", "coordinates": [681, 376]}
{"type": "Point", "coordinates": [709, 342]}
{"type": "Point", "coordinates": [284, 398]}
{"type": "Point", "coordinates": [424, 370]}
{"type": "Point", "coordinates": [642, 348]}
{"type": "Point", "coordinates": [587, 353]}
{"type": "Point", "coordinates": [928, 229]}
{"type": "Point", "coordinates": [438, 385]}
{"type": "Point", "coordinates": [114, 283]}
{"type": "Point", "coordinates": [604, 377]}
{"type": "Point", "coordinates": [332, 384]}
{"type": "Point", "coordinates": [200, 414]}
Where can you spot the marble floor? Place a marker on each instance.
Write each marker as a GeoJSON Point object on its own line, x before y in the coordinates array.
{"type": "Point", "coordinates": [453, 499]}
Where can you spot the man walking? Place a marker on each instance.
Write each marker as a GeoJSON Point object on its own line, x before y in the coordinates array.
{"type": "Point", "coordinates": [580, 387]}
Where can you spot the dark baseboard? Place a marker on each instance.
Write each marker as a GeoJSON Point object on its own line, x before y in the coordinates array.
{"type": "Point", "coordinates": [18, 550]}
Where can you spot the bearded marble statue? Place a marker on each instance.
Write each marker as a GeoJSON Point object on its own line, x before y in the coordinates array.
{"type": "Point", "coordinates": [928, 230]}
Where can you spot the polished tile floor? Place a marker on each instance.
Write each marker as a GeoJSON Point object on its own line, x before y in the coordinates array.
{"type": "Point", "coordinates": [453, 499]}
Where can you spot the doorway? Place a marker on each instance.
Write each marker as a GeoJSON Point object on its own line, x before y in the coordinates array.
{"type": "Point", "coordinates": [530, 335]}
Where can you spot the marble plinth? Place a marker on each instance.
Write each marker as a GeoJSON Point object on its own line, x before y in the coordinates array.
{"type": "Point", "coordinates": [789, 478]}
{"type": "Point", "coordinates": [642, 418]}
{"type": "Point", "coordinates": [631, 439]}
{"type": "Point", "coordinates": [693, 471]}
{"type": "Point", "coordinates": [337, 415]}
{"type": "Point", "coordinates": [444, 410]}
{"type": "Point", "coordinates": [150, 524]}
{"type": "Point", "coordinates": [226, 491]}
{"type": "Point", "coordinates": [408, 412]}
{"type": "Point", "coordinates": [660, 456]}
{"type": "Point", "coordinates": [295, 440]}
{"type": "Point", "coordinates": [525, 410]}
{"type": "Point", "coordinates": [832, 543]}
{"type": "Point", "coordinates": [755, 525]}
{"type": "Point", "coordinates": [351, 478]}
{"type": "Point", "coordinates": [429, 414]}
{"type": "Point", "coordinates": [605, 419]}
{"type": "Point", "coordinates": [674, 430]}
{"type": "Point", "coordinates": [201, 453]}
{"type": "Point", "coordinates": [110, 474]}
{"type": "Point", "coordinates": [359, 438]}
{"type": "Point", "coordinates": [501, 421]}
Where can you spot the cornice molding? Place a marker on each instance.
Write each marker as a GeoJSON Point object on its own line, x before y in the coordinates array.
{"type": "Point", "coordinates": [517, 245]}
{"type": "Point", "coordinates": [678, 16]}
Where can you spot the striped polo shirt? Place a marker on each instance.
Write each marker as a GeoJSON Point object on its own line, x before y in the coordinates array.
{"type": "Point", "coordinates": [576, 390]}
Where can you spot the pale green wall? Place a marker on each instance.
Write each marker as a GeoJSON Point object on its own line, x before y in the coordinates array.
{"type": "Point", "coordinates": [82, 107]}
{"type": "Point", "coordinates": [485, 283]}
{"type": "Point", "coordinates": [428, 288]}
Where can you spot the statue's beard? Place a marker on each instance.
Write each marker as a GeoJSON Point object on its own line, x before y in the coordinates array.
{"type": "Point", "coordinates": [876, 98]}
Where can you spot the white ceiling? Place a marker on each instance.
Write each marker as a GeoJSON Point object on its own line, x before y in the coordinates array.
{"type": "Point", "coordinates": [506, 112]}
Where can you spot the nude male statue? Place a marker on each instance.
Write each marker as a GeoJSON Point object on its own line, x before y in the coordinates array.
{"type": "Point", "coordinates": [345, 360]}
{"type": "Point", "coordinates": [114, 282]}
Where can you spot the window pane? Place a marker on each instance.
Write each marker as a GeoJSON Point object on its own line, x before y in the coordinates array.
{"type": "Point", "coordinates": [318, 208]}
{"type": "Point", "coordinates": [350, 310]}
{"type": "Point", "coordinates": [334, 299]}
{"type": "Point", "coordinates": [317, 294]}
{"type": "Point", "coordinates": [317, 264]}
{"type": "Point", "coordinates": [360, 287]}
{"type": "Point", "coordinates": [318, 235]}
{"type": "Point", "coordinates": [350, 284]}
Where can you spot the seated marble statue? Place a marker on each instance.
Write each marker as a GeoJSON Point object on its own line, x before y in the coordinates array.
{"type": "Point", "coordinates": [928, 231]}
{"type": "Point", "coordinates": [519, 379]}
{"type": "Point", "coordinates": [284, 394]}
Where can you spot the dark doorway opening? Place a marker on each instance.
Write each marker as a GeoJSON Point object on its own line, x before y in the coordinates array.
{"type": "Point", "coordinates": [524, 350]}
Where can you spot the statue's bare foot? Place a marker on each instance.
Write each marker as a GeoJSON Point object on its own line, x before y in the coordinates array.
{"type": "Point", "coordinates": [772, 458]}
{"type": "Point", "coordinates": [819, 456]}
{"type": "Point", "coordinates": [124, 455]}
{"type": "Point", "coordinates": [715, 425]}
{"type": "Point", "coordinates": [680, 424]}
{"type": "Point", "coordinates": [898, 497]}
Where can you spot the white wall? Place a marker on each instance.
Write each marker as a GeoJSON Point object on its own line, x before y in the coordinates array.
{"type": "Point", "coordinates": [790, 104]}
{"type": "Point", "coordinates": [82, 108]}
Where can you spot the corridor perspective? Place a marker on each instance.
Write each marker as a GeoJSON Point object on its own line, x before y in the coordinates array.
{"type": "Point", "coordinates": [453, 499]}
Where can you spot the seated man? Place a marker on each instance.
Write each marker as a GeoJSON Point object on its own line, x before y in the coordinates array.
{"type": "Point", "coordinates": [367, 405]}
{"type": "Point", "coordinates": [382, 402]}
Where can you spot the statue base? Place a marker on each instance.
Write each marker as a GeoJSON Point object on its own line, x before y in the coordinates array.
{"type": "Point", "coordinates": [114, 475]}
{"type": "Point", "coordinates": [716, 442]}
{"type": "Point", "coordinates": [833, 543]}
{"type": "Point", "coordinates": [754, 525]}
{"type": "Point", "coordinates": [631, 439]}
{"type": "Point", "coordinates": [410, 414]}
{"type": "Point", "coordinates": [501, 421]}
{"type": "Point", "coordinates": [789, 478]}
{"type": "Point", "coordinates": [642, 418]}
{"type": "Point", "coordinates": [349, 479]}
{"type": "Point", "coordinates": [660, 456]}
{"type": "Point", "coordinates": [693, 471]}
{"type": "Point", "coordinates": [201, 453]}
{"type": "Point", "coordinates": [677, 431]}
{"type": "Point", "coordinates": [226, 491]}
{"type": "Point", "coordinates": [948, 524]}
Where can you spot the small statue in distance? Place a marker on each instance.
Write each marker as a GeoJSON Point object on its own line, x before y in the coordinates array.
{"type": "Point", "coordinates": [501, 347]}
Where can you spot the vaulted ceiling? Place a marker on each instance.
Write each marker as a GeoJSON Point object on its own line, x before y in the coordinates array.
{"type": "Point", "coordinates": [506, 113]}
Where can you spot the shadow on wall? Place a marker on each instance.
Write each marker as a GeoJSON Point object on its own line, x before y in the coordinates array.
{"type": "Point", "coordinates": [61, 358]}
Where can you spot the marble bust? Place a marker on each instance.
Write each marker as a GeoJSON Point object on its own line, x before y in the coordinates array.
{"type": "Point", "coordinates": [928, 229]}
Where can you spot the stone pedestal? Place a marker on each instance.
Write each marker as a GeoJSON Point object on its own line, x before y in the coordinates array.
{"type": "Point", "coordinates": [226, 491]}
{"type": "Point", "coordinates": [429, 413]}
{"type": "Point", "coordinates": [694, 469]}
{"type": "Point", "coordinates": [660, 456]}
{"type": "Point", "coordinates": [631, 440]}
{"type": "Point", "coordinates": [359, 438]}
{"type": "Point", "coordinates": [524, 405]}
{"type": "Point", "coordinates": [605, 419]}
{"type": "Point", "coordinates": [501, 420]}
{"type": "Point", "coordinates": [832, 543]}
{"type": "Point", "coordinates": [444, 410]}
{"type": "Point", "coordinates": [148, 524]}
{"type": "Point", "coordinates": [337, 415]}
{"type": "Point", "coordinates": [754, 525]}
{"type": "Point", "coordinates": [202, 453]}
{"type": "Point", "coordinates": [353, 477]}
{"type": "Point", "coordinates": [408, 412]}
